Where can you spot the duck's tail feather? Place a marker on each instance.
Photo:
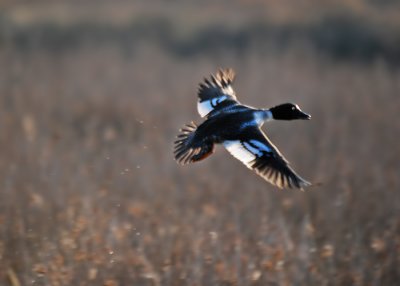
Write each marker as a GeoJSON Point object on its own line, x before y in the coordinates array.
{"type": "Point", "coordinates": [187, 150]}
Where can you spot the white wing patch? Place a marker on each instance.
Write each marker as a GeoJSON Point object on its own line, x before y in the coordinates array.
{"type": "Point", "coordinates": [241, 152]}
{"type": "Point", "coordinates": [246, 151]}
{"type": "Point", "coordinates": [206, 106]}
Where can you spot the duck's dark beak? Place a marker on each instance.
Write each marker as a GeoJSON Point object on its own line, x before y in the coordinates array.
{"type": "Point", "coordinates": [304, 116]}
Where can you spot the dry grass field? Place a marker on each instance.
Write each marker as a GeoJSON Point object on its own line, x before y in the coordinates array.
{"type": "Point", "coordinates": [90, 103]}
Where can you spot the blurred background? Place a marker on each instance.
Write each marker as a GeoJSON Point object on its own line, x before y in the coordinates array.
{"type": "Point", "coordinates": [93, 93]}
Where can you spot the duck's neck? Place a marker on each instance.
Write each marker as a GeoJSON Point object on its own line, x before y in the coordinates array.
{"type": "Point", "coordinates": [262, 115]}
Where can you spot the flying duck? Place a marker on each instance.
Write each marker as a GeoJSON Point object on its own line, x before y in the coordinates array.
{"type": "Point", "coordinates": [238, 128]}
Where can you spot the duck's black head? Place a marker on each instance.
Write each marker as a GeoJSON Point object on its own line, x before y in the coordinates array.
{"type": "Point", "coordinates": [288, 111]}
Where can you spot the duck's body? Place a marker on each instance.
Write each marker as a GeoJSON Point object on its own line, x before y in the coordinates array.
{"type": "Point", "coordinates": [227, 125]}
{"type": "Point", "coordinates": [237, 127]}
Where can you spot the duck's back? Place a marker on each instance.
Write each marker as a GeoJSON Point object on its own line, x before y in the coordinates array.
{"type": "Point", "coordinates": [227, 125]}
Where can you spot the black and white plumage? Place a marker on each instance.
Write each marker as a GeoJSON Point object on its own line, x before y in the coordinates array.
{"type": "Point", "coordinates": [238, 128]}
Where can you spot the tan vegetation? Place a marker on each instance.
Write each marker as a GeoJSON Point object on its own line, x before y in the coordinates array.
{"type": "Point", "coordinates": [90, 193]}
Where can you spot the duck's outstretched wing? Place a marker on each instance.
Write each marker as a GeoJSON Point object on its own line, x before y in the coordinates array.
{"type": "Point", "coordinates": [255, 150]}
{"type": "Point", "coordinates": [216, 93]}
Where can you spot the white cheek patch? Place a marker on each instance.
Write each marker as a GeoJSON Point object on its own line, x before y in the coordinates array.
{"type": "Point", "coordinates": [239, 151]}
{"type": "Point", "coordinates": [206, 106]}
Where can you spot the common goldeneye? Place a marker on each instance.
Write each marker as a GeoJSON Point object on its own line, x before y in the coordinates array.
{"type": "Point", "coordinates": [238, 128]}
